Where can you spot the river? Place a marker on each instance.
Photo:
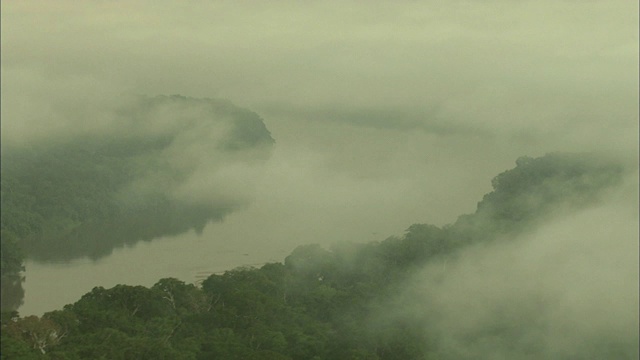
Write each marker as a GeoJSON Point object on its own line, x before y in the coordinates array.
{"type": "Point", "coordinates": [188, 257]}
{"type": "Point", "coordinates": [370, 185]}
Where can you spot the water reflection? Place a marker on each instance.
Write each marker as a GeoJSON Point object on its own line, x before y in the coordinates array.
{"type": "Point", "coordinates": [188, 257]}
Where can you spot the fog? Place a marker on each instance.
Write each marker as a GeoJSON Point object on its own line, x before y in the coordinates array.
{"type": "Point", "coordinates": [568, 289]}
{"type": "Point", "coordinates": [384, 115]}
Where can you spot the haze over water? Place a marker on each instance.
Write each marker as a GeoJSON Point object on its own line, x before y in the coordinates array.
{"type": "Point", "coordinates": [383, 115]}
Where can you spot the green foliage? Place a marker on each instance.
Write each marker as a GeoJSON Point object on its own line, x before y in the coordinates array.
{"type": "Point", "coordinates": [84, 196]}
{"type": "Point", "coordinates": [10, 254]}
{"type": "Point", "coordinates": [535, 190]}
{"type": "Point", "coordinates": [17, 349]}
{"type": "Point", "coordinates": [11, 272]}
{"type": "Point", "coordinates": [319, 304]}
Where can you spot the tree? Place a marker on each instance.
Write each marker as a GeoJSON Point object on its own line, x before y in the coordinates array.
{"type": "Point", "coordinates": [39, 333]}
{"type": "Point", "coordinates": [11, 268]}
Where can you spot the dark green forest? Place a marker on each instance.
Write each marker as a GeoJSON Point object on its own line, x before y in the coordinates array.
{"type": "Point", "coordinates": [318, 304]}
{"type": "Point", "coordinates": [83, 196]}
{"type": "Point", "coordinates": [119, 185]}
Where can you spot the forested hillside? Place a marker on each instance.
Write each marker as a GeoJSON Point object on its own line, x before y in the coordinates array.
{"type": "Point", "coordinates": [84, 194]}
{"type": "Point", "coordinates": [320, 303]}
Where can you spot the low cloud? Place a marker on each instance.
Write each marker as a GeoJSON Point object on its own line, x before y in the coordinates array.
{"type": "Point", "coordinates": [384, 115]}
{"type": "Point", "coordinates": [567, 290]}
{"type": "Point", "coordinates": [207, 158]}
{"type": "Point", "coordinates": [154, 166]}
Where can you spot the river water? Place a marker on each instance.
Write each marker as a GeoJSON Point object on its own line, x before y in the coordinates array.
{"type": "Point", "coordinates": [367, 186]}
{"type": "Point", "coordinates": [188, 257]}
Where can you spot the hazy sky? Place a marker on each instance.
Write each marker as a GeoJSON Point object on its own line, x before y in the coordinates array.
{"type": "Point", "coordinates": [412, 105]}
{"type": "Point", "coordinates": [384, 113]}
